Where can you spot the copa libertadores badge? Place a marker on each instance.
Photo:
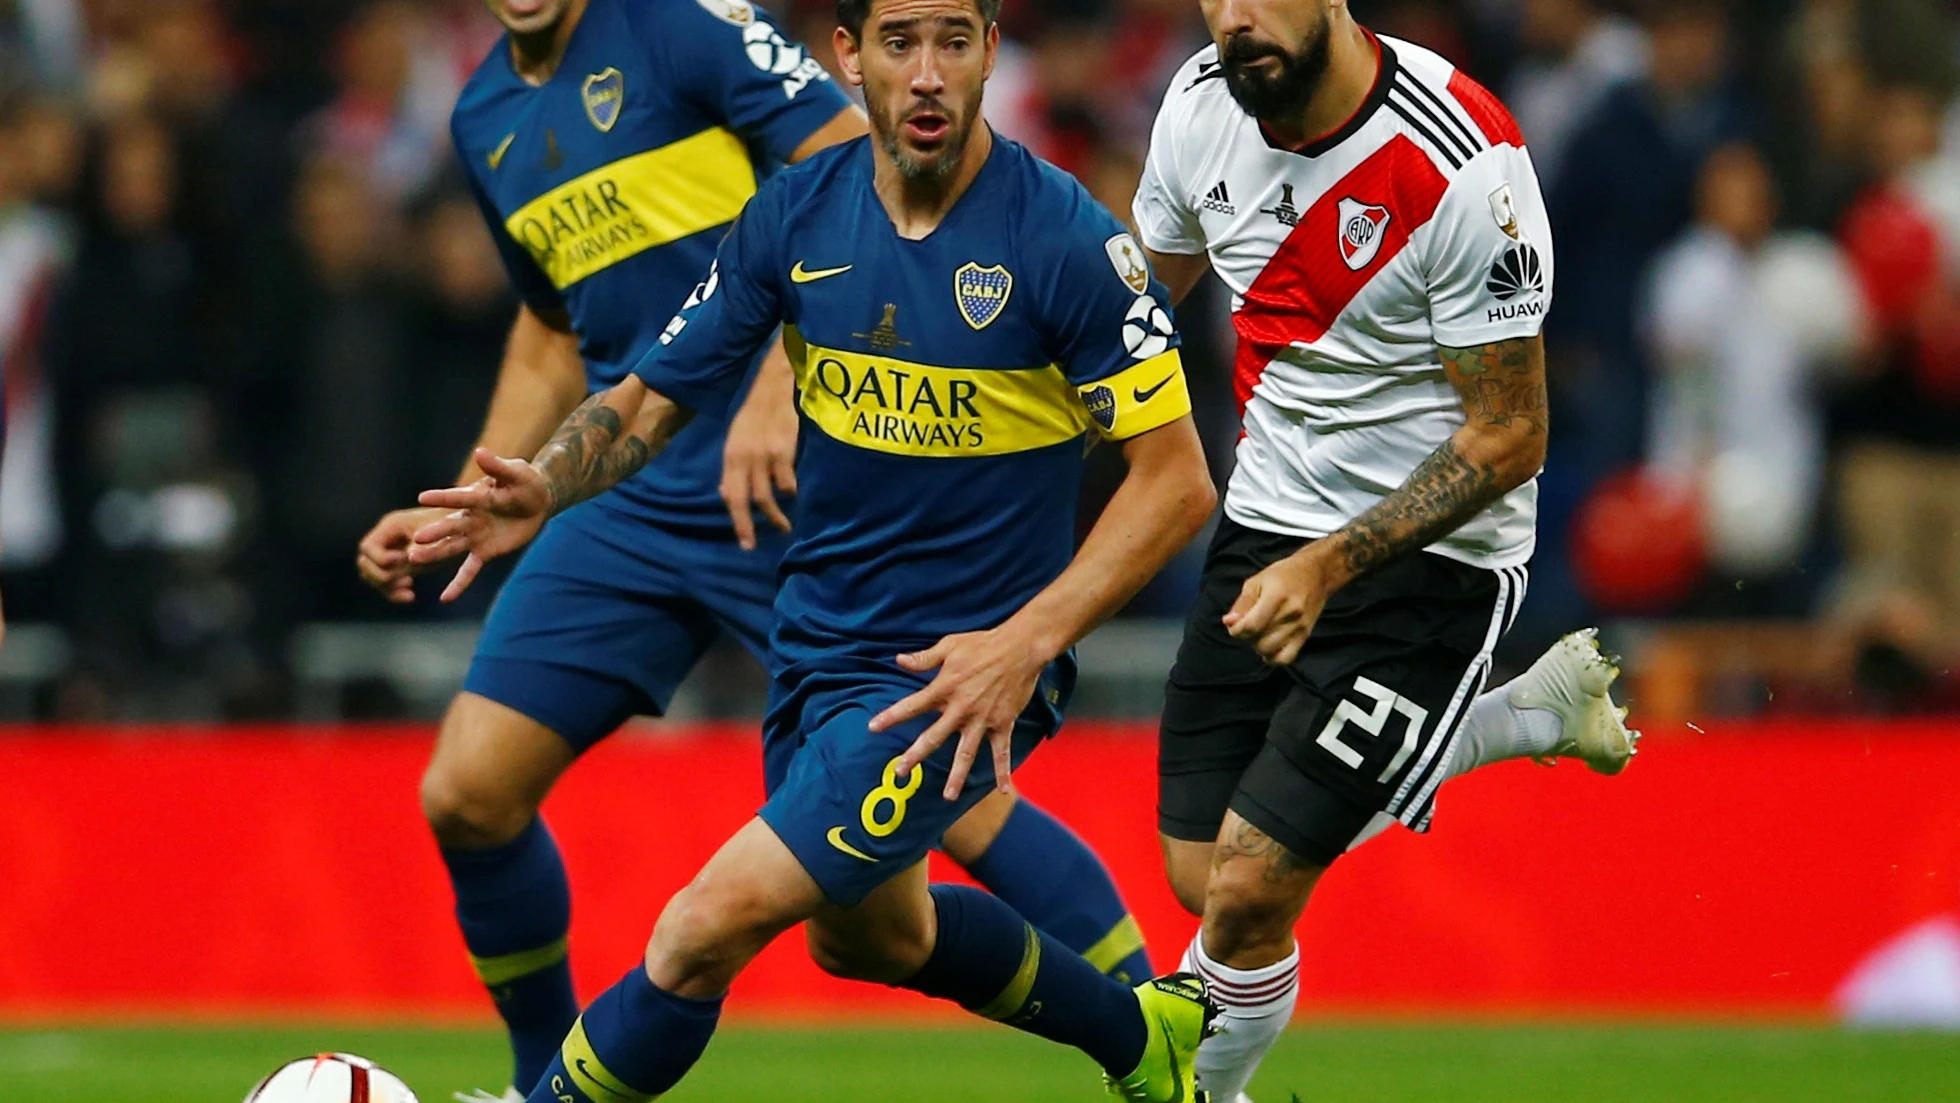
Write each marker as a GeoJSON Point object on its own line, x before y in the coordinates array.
{"type": "Point", "coordinates": [604, 94]}
{"type": "Point", "coordinates": [982, 293]}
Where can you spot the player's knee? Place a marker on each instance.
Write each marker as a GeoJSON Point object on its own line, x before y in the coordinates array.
{"type": "Point", "coordinates": [1245, 915]}
{"type": "Point", "coordinates": [471, 813]}
{"type": "Point", "coordinates": [490, 770]}
{"type": "Point", "coordinates": [467, 816]}
{"type": "Point", "coordinates": [706, 934]}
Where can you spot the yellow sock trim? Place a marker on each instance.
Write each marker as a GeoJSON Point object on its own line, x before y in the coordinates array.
{"type": "Point", "coordinates": [1015, 996]}
{"type": "Point", "coordinates": [1124, 939]}
{"type": "Point", "coordinates": [590, 1075]}
{"type": "Point", "coordinates": [504, 968]}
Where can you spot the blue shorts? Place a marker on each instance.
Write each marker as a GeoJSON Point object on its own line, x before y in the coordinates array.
{"type": "Point", "coordinates": [607, 613]}
{"type": "Point", "coordinates": [833, 796]}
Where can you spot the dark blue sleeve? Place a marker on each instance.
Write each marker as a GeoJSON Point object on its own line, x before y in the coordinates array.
{"type": "Point", "coordinates": [702, 358]}
{"type": "Point", "coordinates": [1107, 320]}
{"type": "Point", "coordinates": [738, 66]}
{"type": "Point", "coordinates": [525, 275]}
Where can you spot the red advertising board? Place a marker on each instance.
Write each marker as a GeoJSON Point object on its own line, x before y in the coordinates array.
{"type": "Point", "coordinates": [287, 872]}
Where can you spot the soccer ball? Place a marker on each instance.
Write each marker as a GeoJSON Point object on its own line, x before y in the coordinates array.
{"type": "Point", "coordinates": [331, 1078]}
{"type": "Point", "coordinates": [769, 51]}
{"type": "Point", "coordinates": [1146, 329]}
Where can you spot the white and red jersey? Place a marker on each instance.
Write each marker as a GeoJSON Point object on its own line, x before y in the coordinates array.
{"type": "Point", "coordinates": [1419, 223]}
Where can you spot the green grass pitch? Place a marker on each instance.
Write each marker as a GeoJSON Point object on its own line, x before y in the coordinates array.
{"type": "Point", "coordinates": [1331, 1063]}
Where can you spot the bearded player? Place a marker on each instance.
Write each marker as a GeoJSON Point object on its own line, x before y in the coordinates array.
{"type": "Point", "coordinates": [1378, 222]}
{"type": "Point", "coordinates": [610, 144]}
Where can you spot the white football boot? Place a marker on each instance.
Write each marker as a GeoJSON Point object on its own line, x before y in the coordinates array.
{"type": "Point", "coordinates": [511, 1095]}
{"type": "Point", "coordinates": [1575, 679]}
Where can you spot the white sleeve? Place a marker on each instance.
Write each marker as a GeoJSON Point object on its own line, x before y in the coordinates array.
{"type": "Point", "coordinates": [1166, 218]}
{"type": "Point", "coordinates": [1489, 255]}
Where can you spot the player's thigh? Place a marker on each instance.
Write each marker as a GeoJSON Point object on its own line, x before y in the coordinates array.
{"type": "Point", "coordinates": [1218, 703]}
{"type": "Point", "coordinates": [491, 768]}
{"type": "Point", "coordinates": [841, 805]}
{"type": "Point", "coordinates": [885, 939]}
{"type": "Point", "coordinates": [752, 890]}
{"type": "Point", "coordinates": [1378, 694]}
{"type": "Point", "coordinates": [597, 624]}
{"type": "Point", "coordinates": [968, 840]}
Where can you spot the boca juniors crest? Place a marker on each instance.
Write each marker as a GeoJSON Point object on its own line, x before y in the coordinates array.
{"type": "Point", "coordinates": [604, 94]}
{"type": "Point", "coordinates": [982, 292]}
{"type": "Point", "coordinates": [1363, 225]}
{"type": "Point", "coordinates": [1101, 402]}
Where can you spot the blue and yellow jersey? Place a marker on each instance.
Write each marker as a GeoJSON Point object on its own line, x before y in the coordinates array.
{"type": "Point", "coordinates": [946, 388]}
{"type": "Point", "coordinates": [609, 186]}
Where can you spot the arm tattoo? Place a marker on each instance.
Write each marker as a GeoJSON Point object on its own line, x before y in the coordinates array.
{"type": "Point", "coordinates": [1443, 492]}
{"type": "Point", "coordinates": [592, 452]}
{"type": "Point", "coordinates": [1502, 385]}
{"type": "Point", "coordinates": [1503, 390]}
{"type": "Point", "coordinates": [1247, 841]}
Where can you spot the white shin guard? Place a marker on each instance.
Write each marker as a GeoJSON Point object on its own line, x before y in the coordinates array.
{"type": "Point", "coordinates": [1257, 1004]}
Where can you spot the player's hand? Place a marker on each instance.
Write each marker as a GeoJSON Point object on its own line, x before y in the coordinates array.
{"type": "Point", "coordinates": [1278, 607]}
{"type": "Point", "coordinates": [382, 557]}
{"type": "Point", "coordinates": [759, 460]}
{"type": "Point", "coordinates": [984, 684]}
{"type": "Point", "coordinates": [493, 516]}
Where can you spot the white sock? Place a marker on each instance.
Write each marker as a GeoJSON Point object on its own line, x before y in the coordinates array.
{"type": "Point", "coordinates": [1494, 730]}
{"type": "Point", "coordinates": [1258, 1003]}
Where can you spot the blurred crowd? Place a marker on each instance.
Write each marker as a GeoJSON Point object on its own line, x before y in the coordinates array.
{"type": "Point", "coordinates": [245, 308]}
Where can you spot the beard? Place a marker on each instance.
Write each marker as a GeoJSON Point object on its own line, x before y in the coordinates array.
{"type": "Point", "coordinates": [936, 165]}
{"type": "Point", "coordinates": [1280, 95]}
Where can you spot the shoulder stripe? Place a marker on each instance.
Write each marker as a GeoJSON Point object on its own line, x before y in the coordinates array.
{"type": "Point", "coordinates": [1428, 135]}
{"type": "Point", "coordinates": [1208, 70]}
{"type": "Point", "coordinates": [1490, 114]}
{"type": "Point", "coordinates": [1464, 149]}
{"type": "Point", "coordinates": [1453, 117]}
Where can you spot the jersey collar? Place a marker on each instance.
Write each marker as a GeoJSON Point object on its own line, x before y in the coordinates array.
{"type": "Point", "coordinates": [1377, 95]}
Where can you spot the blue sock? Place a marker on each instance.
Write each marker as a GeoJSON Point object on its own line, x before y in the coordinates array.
{"type": "Point", "coordinates": [992, 962]}
{"type": "Point", "coordinates": [515, 907]}
{"type": "Point", "coordinates": [632, 1044]}
{"type": "Point", "coordinates": [1049, 875]}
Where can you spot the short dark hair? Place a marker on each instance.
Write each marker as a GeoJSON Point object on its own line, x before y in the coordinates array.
{"type": "Point", "coordinates": [851, 14]}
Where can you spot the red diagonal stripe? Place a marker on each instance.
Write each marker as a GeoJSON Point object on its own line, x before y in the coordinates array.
{"type": "Point", "coordinates": [1307, 284]}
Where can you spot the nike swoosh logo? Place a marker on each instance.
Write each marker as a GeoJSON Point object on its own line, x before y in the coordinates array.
{"type": "Point", "coordinates": [1145, 396]}
{"type": "Point", "coordinates": [497, 155]}
{"type": "Point", "coordinates": [587, 1073]}
{"type": "Point", "coordinates": [836, 839]}
{"type": "Point", "coordinates": [800, 274]}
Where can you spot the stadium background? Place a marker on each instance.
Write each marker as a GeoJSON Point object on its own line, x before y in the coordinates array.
{"type": "Point", "coordinates": [245, 308]}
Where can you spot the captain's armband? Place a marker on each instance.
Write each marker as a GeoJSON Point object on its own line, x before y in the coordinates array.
{"type": "Point", "coordinates": [1141, 397]}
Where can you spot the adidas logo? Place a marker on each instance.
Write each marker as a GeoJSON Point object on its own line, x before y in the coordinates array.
{"type": "Point", "coordinates": [1219, 200]}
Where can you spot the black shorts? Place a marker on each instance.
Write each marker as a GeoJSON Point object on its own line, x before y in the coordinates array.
{"type": "Point", "coordinates": [1362, 723]}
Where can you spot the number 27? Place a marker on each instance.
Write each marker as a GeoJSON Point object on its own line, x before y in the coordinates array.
{"type": "Point", "coordinates": [1386, 701]}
